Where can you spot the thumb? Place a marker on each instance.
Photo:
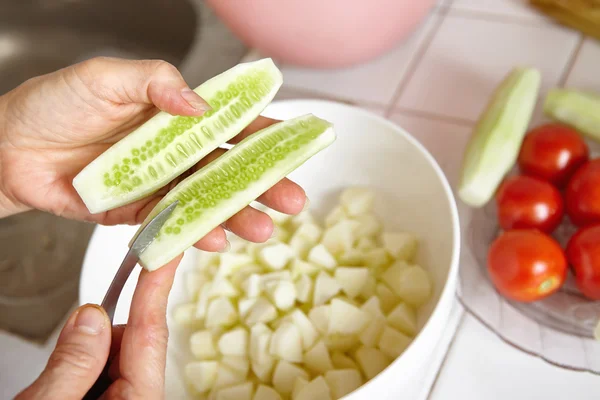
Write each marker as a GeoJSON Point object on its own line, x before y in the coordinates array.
{"type": "Point", "coordinates": [78, 359]}
{"type": "Point", "coordinates": [153, 82]}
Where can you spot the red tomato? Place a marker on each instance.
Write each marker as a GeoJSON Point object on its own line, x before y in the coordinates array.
{"type": "Point", "coordinates": [583, 253]}
{"type": "Point", "coordinates": [552, 152]}
{"type": "Point", "coordinates": [526, 265]}
{"type": "Point", "coordinates": [582, 198]}
{"type": "Point", "coordinates": [525, 202]}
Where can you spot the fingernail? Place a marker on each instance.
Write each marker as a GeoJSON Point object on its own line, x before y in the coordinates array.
{"type": "Point", "coordinates": [194, 100]}
{"type": "Point", "coordinates": [226, 248]}
{"type": "Point", "coordinates": [274, 233]}
{"type": "Point", "coordinates": [306, 204]}
{"type": "Point", "coordinates": [90, 320]}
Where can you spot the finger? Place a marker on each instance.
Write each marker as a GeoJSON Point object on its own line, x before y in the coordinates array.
{"type": "Point", "coordinates": [215, 240]}
{"type": "Point", "coordinates": [141, 82]}
{"type": "Point", "coordinates": [78, 359]}
{"type": "Point", "coordinates": [286, 197]}
{"type": "Point", "coordinates": [117, 338]}
{"type": "Point", "coordinates": [251, 224]}
{"type": "Point", "coordinates": [255, 126]}
{"type": "Point", "coordinates": [144, 344]}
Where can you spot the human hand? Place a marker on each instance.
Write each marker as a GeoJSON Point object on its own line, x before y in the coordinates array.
{"type": "Point", "coordinates": [136, 353]}
{"type": "Point", "coordinates": [52, 126]}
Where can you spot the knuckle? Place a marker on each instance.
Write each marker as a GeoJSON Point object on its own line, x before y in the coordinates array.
{"type": "Point", "coordinates": [165, 68]}
{"type": "Point", "coordinates": [75, 357]}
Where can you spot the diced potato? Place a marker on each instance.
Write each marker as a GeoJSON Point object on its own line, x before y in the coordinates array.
{"type": "Point", "coordinates": [261, 311]}
{"type": "Point", "coordinates": [234, 342]}
{"type": "Point", "coordinates": [319, 316]}
{"type": "Point", "coordinates": [239, 364]}
{"type": "Point", "coordinates": [303, 268]}
{"type": "Point", "coordinates": [317, 359]}
{"type": "Point", "coordinates": [365, 244]}
{"type": "Point", "coordinates": [276, 256]}
{"type": "Point", "coordinates": [325, 288]}
{"type": "Point", "coordinates": [281, 234]}
{"type": "Point", "coordinates": [301, 246]}
{"type": "Point", "coordinates": [278, 218]}
{"type": "Point", "coordinates": [222, 287]}
{"type": "Point", "coordinates": [305, 217]}
{"type": "Point", "coordinates": [266, 393]}
{"type": "Point", "coordinates": [286, 343]}
{"type": "Point", "coordinates": [369, 289]}
{"type": "Point", "coordinates": [400, 245]}
{"type": "Point", "coordinates": [252, 249]}
{"type": "Point", "coordinates": [298, 385]}
{"type": "Point", "coordinates": [342, 361]}
{"type": "Point", "coordinates": [260, 339]}
{"type": "Point", "coordinates": [280, 320]}
{"type": "Point", "coordinates": [238, 392]}
{"type": "Point", "coordinates": [252, 286]}
{"type": "Point", "coordinates": [307, 330]}
{"type": "Point", "coordinates": [392, 342]}
{"type": "Point", "coordinates": [335, 216]}
{"type": "Point", "coordinates": [372, 332]}
{"type": "Point", "coordinates": [202, 345]}
{"type": "Point", "coordinates": [220, 313]}
{"type": "Point", "coordinates": [276, 277]}
{"type": "Point", "coordinates": [238, 245]}
{"type": "Point", "coordinates": [357, 200]}
{"type": "Point", "coordinates": [205, 259]}
{"type": "Point", "coordinates": [387, 298]}
{"type": "Point", "coordinates": [201, 375]}
{"type": "Point", "coordinates": [185, 314]}
{"type": "Point", "coordinates": [284, 376]}
{"type": "Point", "coordinates": [319, 255]}
{"type": "Point", "coordinates": [203, 300]}
{"type": "Point", "coordinates": [377, 259]}
{"type": "Point", "coordinates": [226, 376]}
{"type": "Point", "coordinates": [372, 306]}
{"type": "Point", "coordinates": [309, 231]}
{"type": "Point", "coordinates": [241, 275]}
{"type": "Point", "coordinates": [341, 342]}
{"type": "Point", "coordinates": [244, 305]}
{"type": "Point", "coordinates": [194, 280]}
{"type": "Point", "coordinates": [264, 371]}
{"type": "Point", "coordinates": [346, 319]}
{"type": "Point", "coordinates": [371, 361]}
{"type": "Point", "coordinates": [282, 294]}
{"type": "Point", "coordinates": [304, 286]}
{"type": "Point", "coordinates": [342, 382]}
{"type": "Point", "coordinates": [352, 258]}
{"type": "Point", "coordinates": [404, 319]}
{"type": "Point", "coordinates": [340, 237]}
{"type": "Point", "coordinates": [411, 284]}
{"type": "Point", "coordinates": [369, 227]}
{"type": "Point", "coordinates": [316, 389]}
{"type": "Point", "coordinates": [352, 280]}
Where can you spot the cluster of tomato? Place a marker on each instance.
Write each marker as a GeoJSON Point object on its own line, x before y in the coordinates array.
{"type": "Point", "coordinates": [556, 178]}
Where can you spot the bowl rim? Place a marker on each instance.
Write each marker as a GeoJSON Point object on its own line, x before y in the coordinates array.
{"type": "Point", "coordinates": [449, 290]}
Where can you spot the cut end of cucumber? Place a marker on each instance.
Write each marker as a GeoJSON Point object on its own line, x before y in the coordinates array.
{"type": "Point", "coordinates": [580, 110]}
{"type": "Point", "coordinates": [495, 144]}
{"type": "Point", "coordinates": [167, 145]}
{"type": "Point", "coordinates": [232, 181]}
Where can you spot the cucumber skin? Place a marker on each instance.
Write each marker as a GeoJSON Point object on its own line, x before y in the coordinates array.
{"type": "Point", "coordinates": [99, 198]}
{"type": "Point", "coordinates": [161, 252]}
{"type": "Point", "coordinates": [494, 147]}
{"type": "Point", "coordinates": [580, 110]}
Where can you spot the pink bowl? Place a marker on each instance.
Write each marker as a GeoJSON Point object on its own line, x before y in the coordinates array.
{"type": "Point", "coordinates": [322, 33]}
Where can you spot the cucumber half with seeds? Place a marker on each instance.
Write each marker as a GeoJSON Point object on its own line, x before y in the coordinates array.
{"type": "Point", "coordinates": [166, 145]}
{"type": "Point", "coordinates": [578, 109]}
{"type": "Point", "coordinates": [494, 146]}
{"type": "Point", "coordinates": [225, 186]}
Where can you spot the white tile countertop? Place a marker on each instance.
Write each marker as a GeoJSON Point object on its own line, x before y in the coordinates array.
{"type": "Point", "coordinates": [434, 85]}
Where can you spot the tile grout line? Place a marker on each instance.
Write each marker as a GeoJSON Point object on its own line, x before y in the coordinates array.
{"type": "Point", "coordinates": [570, 64]}
{"type": "Point", "coordinates": [499, 17]}
{"type": "Point", "coordinates": [416, 60]}
{"type": "Point", "coordinates": [431, 116]}
{"type": "Point", "coordinates": [445, 359]}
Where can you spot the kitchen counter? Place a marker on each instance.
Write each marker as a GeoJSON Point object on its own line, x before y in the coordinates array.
{"type": "Point", "coordinates": [434, 85]}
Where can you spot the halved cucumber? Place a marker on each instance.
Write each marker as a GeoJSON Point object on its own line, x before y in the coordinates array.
{"type": "Point", "coordinates": [578, 109]}
{"type": "Point", "coordinates": [232, 181]}
{"type": "Point", "coordinates": [166, 145]}
{"type": "Point", "coordinates": [494, 146]}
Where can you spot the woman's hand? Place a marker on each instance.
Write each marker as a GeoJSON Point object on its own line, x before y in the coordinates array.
{"type": "Point", "coordinates": [52, 126]}
{"type": "Point", "coordinates": [136, 352]}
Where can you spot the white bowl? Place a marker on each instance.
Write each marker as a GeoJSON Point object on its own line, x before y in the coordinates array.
{"type": "Point", "coordinates": [413, 195]}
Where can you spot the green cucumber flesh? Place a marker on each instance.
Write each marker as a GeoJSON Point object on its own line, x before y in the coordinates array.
{"type": "Point", "coordinates": [228, 184]}
{"type": "Point", "coordinates": [580, 110]}
{"type": "Point", "coordinates": [165, 146]}
{"type": "Point", "coordinates": [494, 146]}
